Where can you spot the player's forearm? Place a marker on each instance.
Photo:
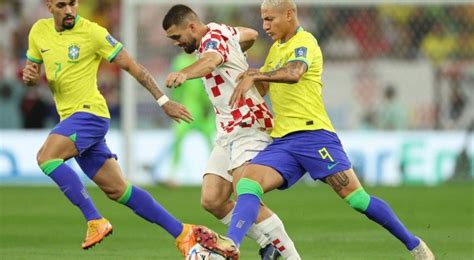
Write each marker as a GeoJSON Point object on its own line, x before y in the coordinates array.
{"type": "Point", "coordinates": [142, 75]}
{"type": "Point", "coordinates": [200, 68]}
{"type": "Point", "coordinates": [290, 74]}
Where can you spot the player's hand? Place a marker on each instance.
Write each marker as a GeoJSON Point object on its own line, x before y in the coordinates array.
{"type": "Point", "coordinates": [245, 83]}
{"type": "Point", "coordinates": [175, 79]}
{"type": "Point", "coordinates": [31, 74]}
{"type": "Point", "coordinates": [177, 112]}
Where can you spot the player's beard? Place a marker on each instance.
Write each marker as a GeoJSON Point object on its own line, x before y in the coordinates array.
{"type": "Point", "coordinates": [191, 47]}
{"type": "Point", "coordinates": [69, 26]}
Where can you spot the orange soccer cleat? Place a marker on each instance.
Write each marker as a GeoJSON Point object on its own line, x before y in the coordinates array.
{"type": "Point", "coordinates": [97, 229]}
{"type": "Point", "coordinates": [186, 239]}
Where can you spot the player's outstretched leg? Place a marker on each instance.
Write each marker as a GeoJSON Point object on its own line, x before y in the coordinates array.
{"type": "Point", "coordinates": [222, 245]}
{"type": "Point", "coordinates": [376, 210]}
{"type": "Point", "coordinates": [380, 212]}
{"type": "Point", "coordinates": [72, 187]}
{"type": "Point", "coordinates": [144, 205]}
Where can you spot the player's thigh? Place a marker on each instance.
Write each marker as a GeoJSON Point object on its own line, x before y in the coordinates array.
{"type": "Point", "coordinates": [217, 181]}
{"type": "Point", "coordinates": [56, 146]}
{"type": "Point", "coordinates": [218, 162]}
{"type": "Point", "coordinates": [344, 182]}
{"type": "Point", "coordinates": [266, 176]}
{"type": "Point", "coordinates": [275, 166]}
{"type": "Point", "coordinates": [110, 179]}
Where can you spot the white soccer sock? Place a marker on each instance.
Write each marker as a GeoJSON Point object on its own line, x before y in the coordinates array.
{"type": "Point", "coordinates": [274, 228]}
{"type": "Point", "coordinates": [254, 232]}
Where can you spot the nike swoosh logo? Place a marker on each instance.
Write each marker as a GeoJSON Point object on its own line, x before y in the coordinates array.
{"type": "Point", "coordinates": [44, 50]}
{"type": "Point", "coordinates": [330, 166]}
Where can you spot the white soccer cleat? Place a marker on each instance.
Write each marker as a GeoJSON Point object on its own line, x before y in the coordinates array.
{"type": "Point", "coordinates": [422, 252]}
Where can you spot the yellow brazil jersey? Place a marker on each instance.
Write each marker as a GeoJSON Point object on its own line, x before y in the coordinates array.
{"type": "Point", "coordinates": [297, 107]}
{"type": "Point", "coordinates": [71, 59]}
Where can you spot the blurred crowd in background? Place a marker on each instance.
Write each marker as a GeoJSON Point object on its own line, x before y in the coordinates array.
{"type": "Point", "coordinates": [441, 35]}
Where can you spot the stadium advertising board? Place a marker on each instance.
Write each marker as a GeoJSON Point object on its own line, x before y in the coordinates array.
{"type": "Point", "coordinates": [380, 158]}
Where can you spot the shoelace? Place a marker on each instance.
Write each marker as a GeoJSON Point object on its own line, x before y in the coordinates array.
{"type": "Point", "coordinates": [92, 230]}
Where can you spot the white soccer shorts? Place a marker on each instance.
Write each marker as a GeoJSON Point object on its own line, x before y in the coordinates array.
{"type": "Point", "coordinates": [240, 147]}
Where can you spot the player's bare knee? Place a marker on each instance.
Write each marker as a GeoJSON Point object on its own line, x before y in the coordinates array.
{"type": "Point", "coordinates": [42, 157]}
{"type": "Point", "coordinates": [211, 205]}
{"type": "Point", "coordinates": [115, 192]}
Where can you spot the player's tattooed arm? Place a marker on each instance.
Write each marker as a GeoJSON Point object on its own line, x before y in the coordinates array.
{"type": "Point", "coordinates": [291, 73]}
{"type": "Point", "coordinates": [174, 110]}
{"type": "Point", "coordinates": [140, 73]}
{"type": "Point", "coordinates": [247, 37]}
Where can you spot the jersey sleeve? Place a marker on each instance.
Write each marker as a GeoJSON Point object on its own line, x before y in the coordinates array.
{"type": "Point", "coordinates": [33, 53]}
{"type": "Point", "coordinates": [215, 41]}
{"type": "Point", "coordinates": [107, 46]}
{"type": "Point", "coordinates": [303, 50]}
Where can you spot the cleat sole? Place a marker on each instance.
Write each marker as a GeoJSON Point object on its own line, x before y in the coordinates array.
{"type": "Point", "coordinates": [98, 242]}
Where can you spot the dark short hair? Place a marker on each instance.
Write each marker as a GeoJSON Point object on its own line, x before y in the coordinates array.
{"type": "Point", "coordinates": [176, 15]}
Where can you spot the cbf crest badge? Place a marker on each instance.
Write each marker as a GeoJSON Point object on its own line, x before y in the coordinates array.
{"type": "Point", "coordinates": [74, 51]}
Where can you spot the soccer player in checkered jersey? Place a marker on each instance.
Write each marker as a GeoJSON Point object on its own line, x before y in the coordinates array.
{"type": "Point", "coordinates": [71, 48]}
{"type": "Point", "coordinates": [304, 138]}
{"type": "Point", "coordinates": [241, 131]}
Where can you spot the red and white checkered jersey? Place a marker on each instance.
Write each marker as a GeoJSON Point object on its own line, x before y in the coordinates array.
{"type": "Point", "coordinates": [220, 84]}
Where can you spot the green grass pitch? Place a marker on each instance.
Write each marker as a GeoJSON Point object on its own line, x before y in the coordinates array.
{"type": "Point", "coordinates": [39, 223]}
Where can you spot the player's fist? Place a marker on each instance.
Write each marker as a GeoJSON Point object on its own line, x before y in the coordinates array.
{"type": "Point", "coordinates": [175, 79]}
{"type": "Point", "coordinates": [31, 74]}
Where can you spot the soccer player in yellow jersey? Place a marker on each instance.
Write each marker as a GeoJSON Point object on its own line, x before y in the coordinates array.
{"type": "Point", "coordinates": [71, 48]}
{"type": "Point", "coordinates": [304, 138]}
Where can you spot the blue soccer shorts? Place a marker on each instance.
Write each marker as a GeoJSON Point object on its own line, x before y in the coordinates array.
{"type": "Point", "coordinates": [87, 131]}
{"type": "Point", "coordinates": [318, 152]}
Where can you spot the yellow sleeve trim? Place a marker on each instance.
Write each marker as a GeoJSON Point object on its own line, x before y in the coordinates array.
{"type": "Point", "coordinates": [38, 61]}
{"type": "Point", "coordinates": [112, 56]}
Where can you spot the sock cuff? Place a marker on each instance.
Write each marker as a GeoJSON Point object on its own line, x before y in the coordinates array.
{"type": "Point", "coordinates": [270, 223]}
{"type": "Point", "coordinates": [185, 229]}
{"type": "Point", "coordinates": [49, 166]}
{"type": "Point", "coordinates": [226, 220]}
{"type": "Point", "coordinates": [358, 199]}
{"type": "Point", "coordinates": [126, 195]}
{"type": "Point", "coordinates": [248, 186]}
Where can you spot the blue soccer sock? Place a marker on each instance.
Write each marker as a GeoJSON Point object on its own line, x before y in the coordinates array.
{"type": "Point", "coordinates": [380, 212]}
{"type": "Point", "coordinates": [245, 214]}
{"type": "Point", "coordinates": [144, 205]}
{"type": "Point", "coordinates": [71, 186]}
